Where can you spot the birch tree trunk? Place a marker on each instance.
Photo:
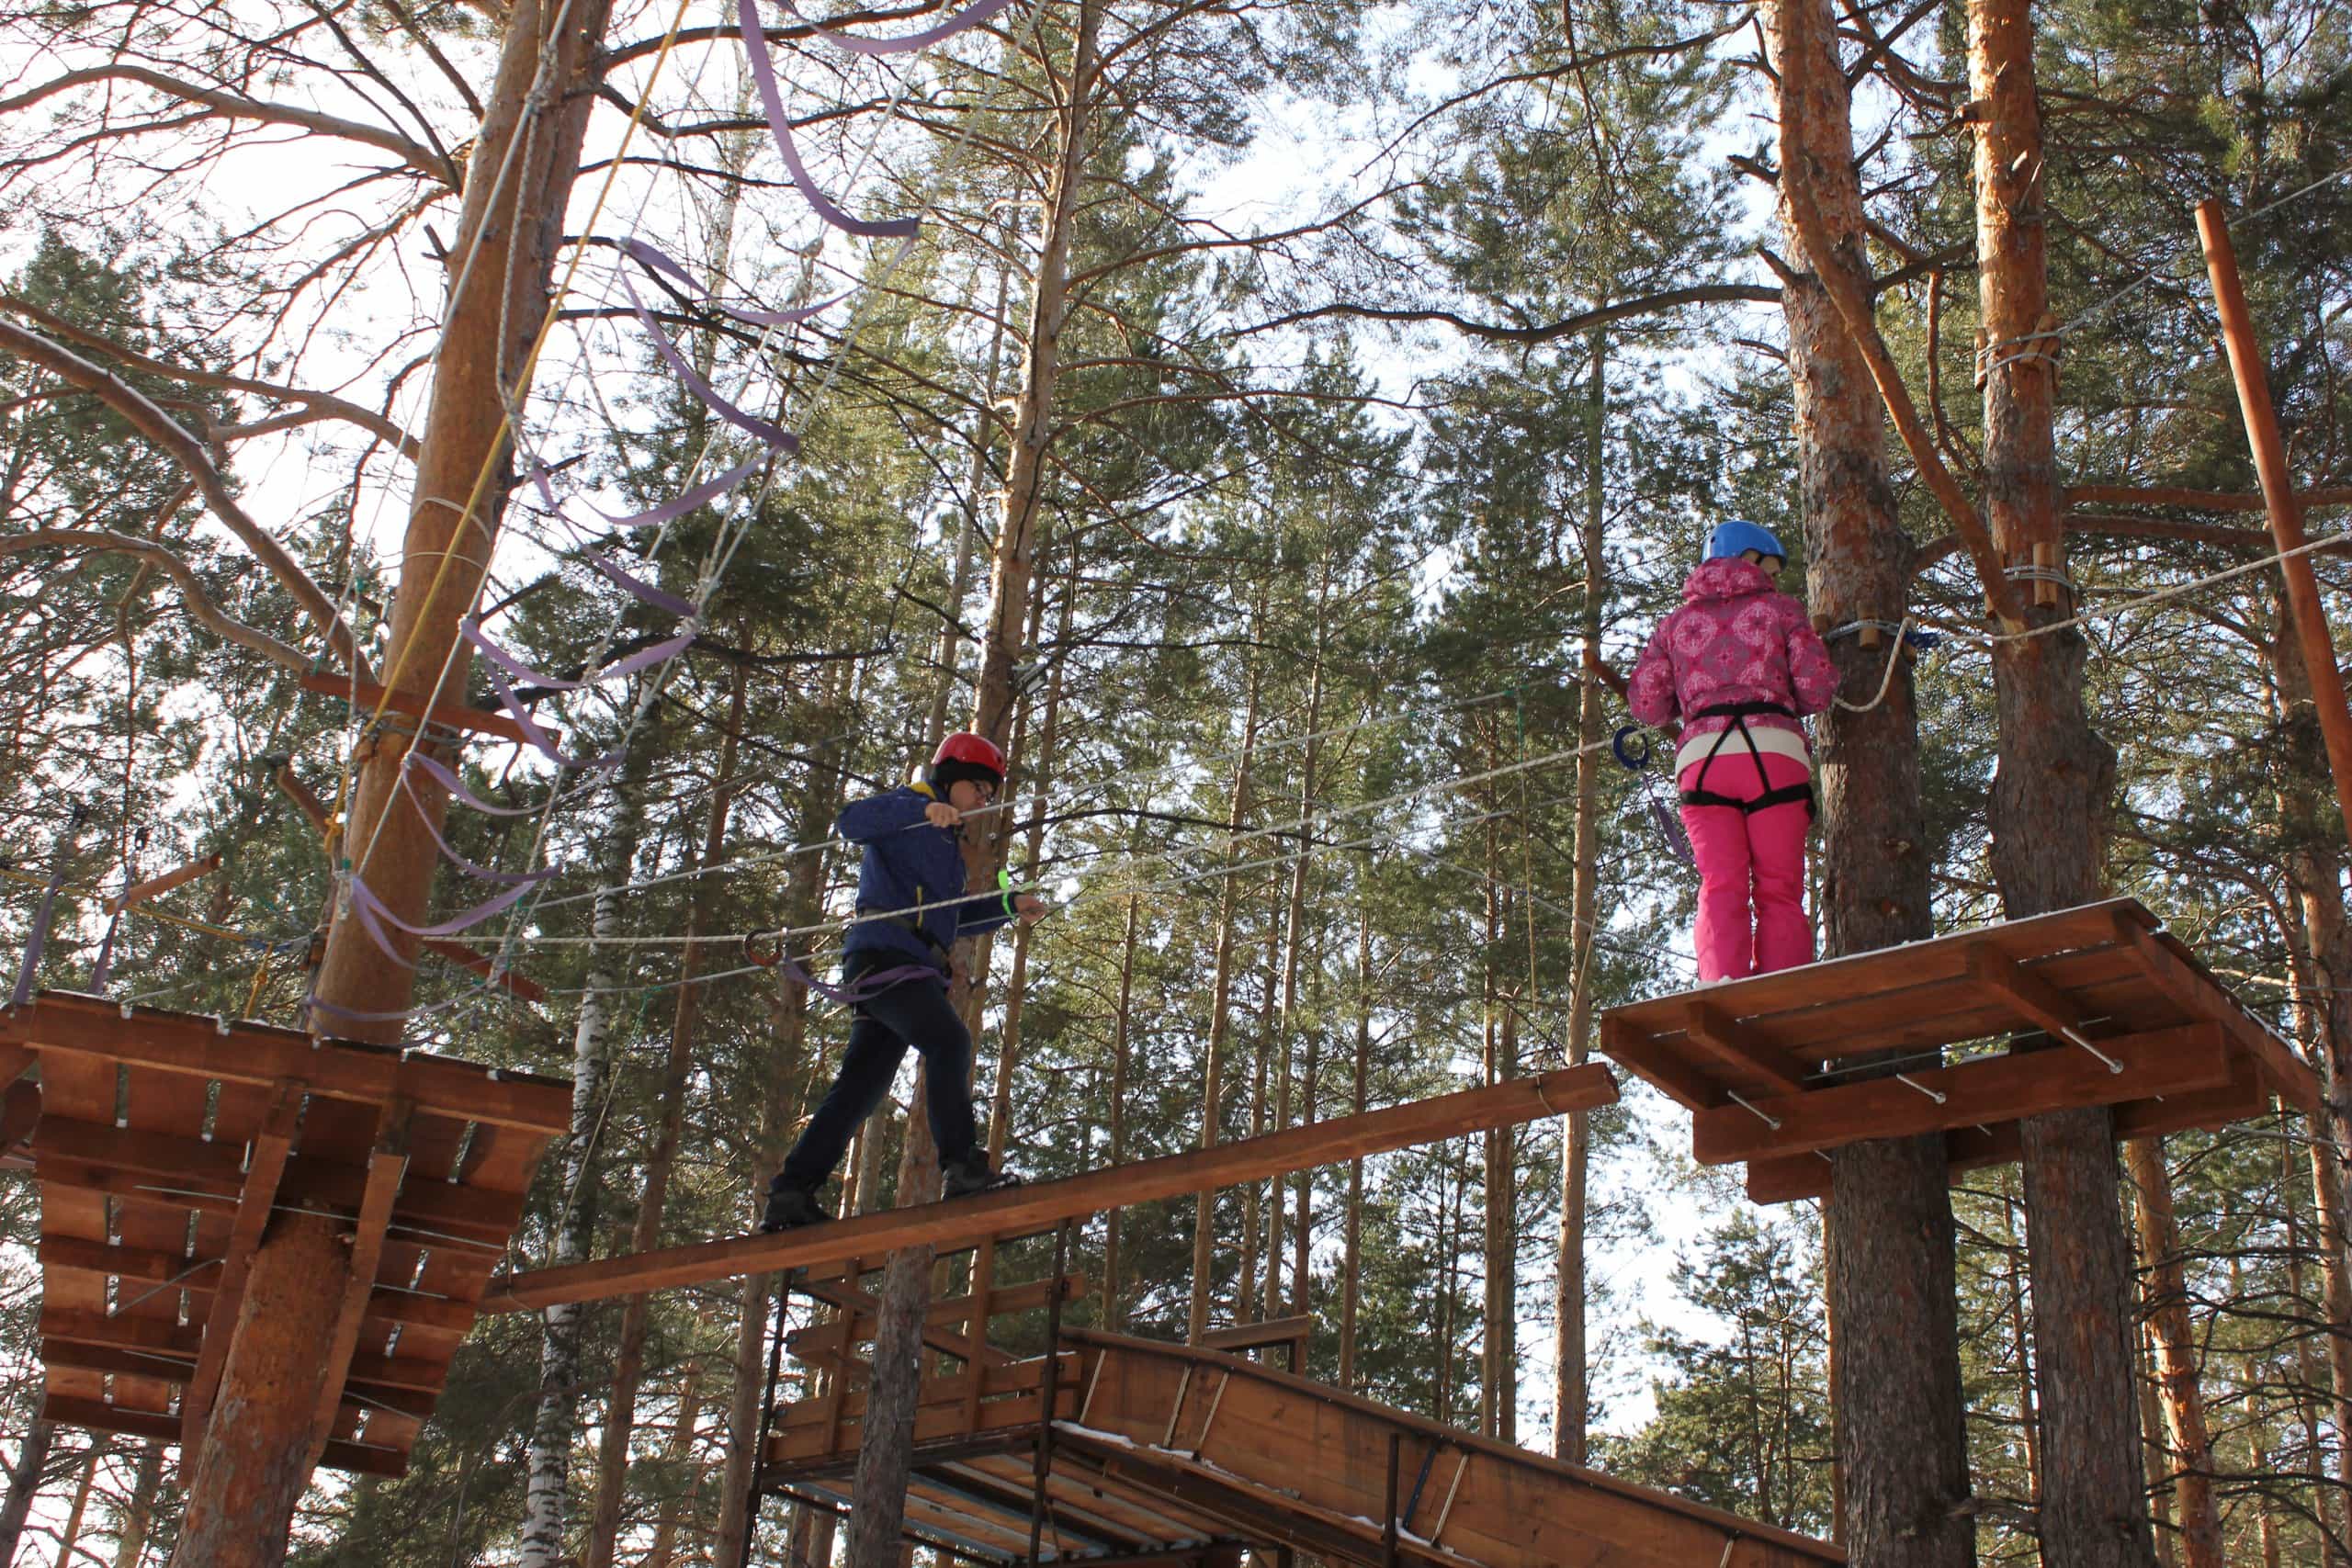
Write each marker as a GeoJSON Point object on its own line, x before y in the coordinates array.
{"type": "Point", "coordinates": [629, 1355]}
{"type": "Point", "coordinates": [547, 1491]}
{"type": "Point", "coordinates": [2049, 819]}
{"type": "Point", "coordinates": [1902, 1441]}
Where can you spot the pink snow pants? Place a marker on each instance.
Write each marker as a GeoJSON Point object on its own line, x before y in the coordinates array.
{"type": "Point", "coordinates": [1751, 869]}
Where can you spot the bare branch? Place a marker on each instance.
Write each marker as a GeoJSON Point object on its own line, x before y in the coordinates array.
{"type": "Point", "coordinates": [184, 448]}
{"type": "Point", "coordinates": [1649, 304]}
{"type": "Point", "coordinates": [320, 405]}
{"type": "Point", "coordinates": [236, 106]}
{"type": "Point", "coordinates": [200, 604]}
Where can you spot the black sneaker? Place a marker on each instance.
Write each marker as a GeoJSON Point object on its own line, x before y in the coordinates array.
{"type": "Point", "coordinates": [963, 1178]}
{"type": "Point", "coordinates": [789, 1208]}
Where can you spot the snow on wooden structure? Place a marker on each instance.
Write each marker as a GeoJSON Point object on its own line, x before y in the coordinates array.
{"type": "Point", "coordinates": [166, 1143]}
{"type": "Point", "coordinates": [2097, 1004]}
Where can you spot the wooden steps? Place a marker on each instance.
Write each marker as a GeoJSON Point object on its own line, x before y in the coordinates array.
{"type": "Point", "coordinates": [1778, 1070]}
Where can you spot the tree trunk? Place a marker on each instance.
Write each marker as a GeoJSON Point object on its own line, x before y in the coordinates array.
{"type": "Point", "coordinates": [885, 1453]}
{"type": "Point", "coordinates": [1293, 929]}
{"type": "Point", "coordinates": [636, 1312]}
{"type": "Point", "coordinates": [24, 1483]}
{"type": "Point", "coordinates": [951, 639]}
{"type": "Point", "coordinates": [1902, 1435]}
{"type": "Point", "coordinates": [665, 1549]}
{"type": "Point", "coordinates": [1351, 1247]}
{"type": "Point", "coordinates": [1248, 1309]}
{"type": "Point", "coordinates": [2173, 1342]}
{"type": "Point", "coordinates": [547, 1490]}
{"type": "Point", "coordinates": [2048, 815]}
{"type": "Point", "coordinates": [2155, 1456]}
{"type": "Point", "coordinates": [1115, 1306]}
{"type": "Point", "coordinates": [1228, 918]}
{"type": "Point", "coordinates": [785, 1087]}
{"type": "Point", "coordinates": [139, 1513]}
{"type": "Point", "coordinates": [1498, 1178]}
{"type": "Point", "coordinates": [247, 1478]}
{"type": "Point", "coordinates": [1571, 1398]}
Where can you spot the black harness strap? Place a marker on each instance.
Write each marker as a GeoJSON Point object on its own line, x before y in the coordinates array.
{"type": "Point", "coordinates": [1739, 714]}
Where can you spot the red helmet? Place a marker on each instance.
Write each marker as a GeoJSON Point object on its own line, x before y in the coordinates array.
{"type": "Point", "coordinates": [976, 749]}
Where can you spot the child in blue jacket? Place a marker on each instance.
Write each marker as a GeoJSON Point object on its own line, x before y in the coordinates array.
{"type": "Point", "coordinates": [912, 907]}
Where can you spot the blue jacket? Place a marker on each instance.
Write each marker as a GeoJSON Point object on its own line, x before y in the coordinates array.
{"type": "Point", "coordinates": [908, 862]}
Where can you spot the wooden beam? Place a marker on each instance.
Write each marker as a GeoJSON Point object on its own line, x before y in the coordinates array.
{"type": "Point", "coordinates": [271, 1146]}
{"type": "Point", "coordinates": [249, 1053]}
{"type": "Point", "coordinates": [456, 716]}
{"type": "Point", "coordinates": [1024, 1211]}
{"type": "Point", "coordinates": [1641, 1052]}
{"type": "Point", "coordinates": [1738, 1049]}
{"type": "Point", "coordinates": [1991, 1089]}
{"type": "Point", "coordinates": [1258, 1335]}
{"type": "Point", "coordinates": [2197, 993]}
{"type": "Point", "coordinates": [465, 957]}
{"type": "Point", "coordinates": [385, 1166]}
{"type": "Point", "coordinates": [19, 1113]}
{"type": "Point", "coordinates": [130, 1263]}
{"type": "Point", "coordinates": [2023, 992]}
{"type": "Point", "coordinates": [155, 887]}
{"type": "Point", "coordinates": [954, 1310]}
{"type": "Point", "coordinates": [16, 1060]}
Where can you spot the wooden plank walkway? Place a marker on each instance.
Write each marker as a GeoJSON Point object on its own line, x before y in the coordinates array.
{"type": "Point", "coordinates": [1015, 1212]}
{"type": "Point", "coordinates": [165, 1141]}
{"type": "Point", "coordinates": [1779, 1069]}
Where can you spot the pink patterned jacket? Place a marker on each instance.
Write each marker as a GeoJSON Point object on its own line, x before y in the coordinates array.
{"type": "Point", "coordinates": [1735, 639]}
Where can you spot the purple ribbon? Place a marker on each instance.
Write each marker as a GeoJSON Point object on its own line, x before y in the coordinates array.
{"type": "Point", "coordinates": [872, 983]}
{"type": "Point", "coordinates": [371, 909]}
{"type": "Point", "coordinates": [755, 46]}
{"type": "Point", "coordinates": [645, 594]}
{"type": "Point", "coordinates": [905, 43]}
{"type": "Point", "coordinates": [39, 939]}
{"type": "Point", "coordinates": [481, 873]}
{"type": "Point", "coordinates": [668, 511]}
{"type": "Point", "coordinates": [537, 738]}
{"type": "Point", "coordinates": [636, 661]}
{"type": "Point", "coordinates": [659, 261]}
{"type": "Point", "coordinates": [456, 787]}
{"type": "Point", "coordinates": [352, 1015]}
{"type": "Point", "coordinates": [775, 436]}
{"type": "Point", "coordinates": [1675, 839]}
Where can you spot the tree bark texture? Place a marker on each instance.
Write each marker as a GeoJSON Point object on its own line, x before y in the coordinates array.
{"type": "Point", "coordinates": [1902, 1435]}
{"type": "Point", "coordinates": [1351, 1243]}
{"type": "Point", "coordinates": [24, 1485]}
{"type": "Point", "coordinates": [2172, 1342]}
{"type": "Point", "coordinates": [139, 1510]}
{"type": "Point", "coordinates": [2049, 814]}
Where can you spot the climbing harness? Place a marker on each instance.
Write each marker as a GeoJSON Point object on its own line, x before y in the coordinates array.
{"type": "Point", "coordinates": [1739, 714]}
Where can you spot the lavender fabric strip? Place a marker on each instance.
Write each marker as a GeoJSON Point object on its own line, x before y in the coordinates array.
{"type": "Point", "coordinates": [363, 900]}
{"type": "Point", "coordinates": [39, 939]}
{"type": "Point", "coordinates": [774, 435]}
{"type": "Point", "coordinates": [472, 631]}
{"type": "Point", "coordinates": [905, 42]}
{"type": "Point", "coordinates": [105, 965]}
{"type": "Point", "coordinates": [659, 261]}
{"type": "Point", "coordinates": [644, 591]}
{"type": "Point", "coordinates": [449, 780]}
{"type": "Point", "coordinates": [669, 510]}
{"type": "Point", "coordinates": [481, 872]}
{"type": "Point", "coordinates": [755, 45]}
{"type": "Point", "coordinates": [536, 737]}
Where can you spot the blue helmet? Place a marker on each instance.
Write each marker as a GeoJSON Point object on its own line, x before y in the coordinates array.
{"type": "Point", "coordinates": [1736, 536]}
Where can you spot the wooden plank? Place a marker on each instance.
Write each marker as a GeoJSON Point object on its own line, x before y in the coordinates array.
{"type": "Point", "coordinates": [249, 1053]}
{"type": "Point", "coordinates": [2203, 998]}
{"type": "Point", "coordinates": [932, 1424]}
{"type": "Point", "coordinates": [1258, 1335]}
{"type": "Point", "coordinates": [1024, 1211]}
{"type": "Point", "coordinates": [1636, 1050]}
{"type": "Point", "coordinates": [19, 1113]}
{"type": "Point", "coordinates": [834, 1337]}
{"type": "Point", "coordinates": [370, 697]}
{"type": "Point", "coordinates": [2025, 993]}
{"type": "Point", "coordinates": [16, 1060]}
{"type": "Point", "coordinates": [105, 1260]}
{"type": "Point", "coordinates": [385, 1166]}
{"type": "Point", "coordinates": [1990, 1088]}
{"type": "Point", "coordinates": [1786, 1179]}
{"type": "Point", "coordinates": [1738, 1049]}
{"type": "Point", "coordinates": [270, 1148]}
{"type": "Point", "coordinates": [954, 1388]}
{"type": "Point", "coordinates": [155, 887]}
{"type": "Point", "coordinates": [465, 957]}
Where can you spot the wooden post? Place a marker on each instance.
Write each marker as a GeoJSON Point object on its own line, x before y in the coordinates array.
{"type": "Point", "coordinates": [2286, 514]}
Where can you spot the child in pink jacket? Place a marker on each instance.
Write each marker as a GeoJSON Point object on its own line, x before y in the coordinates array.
{"type": "Point", "coordinates": [1740, 665]}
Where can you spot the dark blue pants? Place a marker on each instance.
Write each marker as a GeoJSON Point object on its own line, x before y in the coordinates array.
{"type": "Point", "coordinates": [912, 1012]}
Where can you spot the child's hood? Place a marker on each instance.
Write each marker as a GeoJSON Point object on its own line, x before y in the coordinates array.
{"type": "Point", "coordinates": [1727, 577]}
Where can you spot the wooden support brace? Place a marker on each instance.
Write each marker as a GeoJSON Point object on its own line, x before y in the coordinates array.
{"type": "Point", "coordinates": [264, 1165]}
{"type": "Point", "coordinates": [1722, 1037]}
{"type": "Point", "coordinates": [480, 963]}
{"type": "Point", "coordinates": [1988, 1089]}
{"type": "Point", "coordinates": [1640, 1051]}
{"type": "Point", "coordinates": [2025, 993]}
{"type": "Point", "coordinates": [454, 716]}
{"type": "Point", "coordinates": [386, 1166]}
{"type": "Point", "coordinates": [139, 893]}
{"type": "Point", "coordinates": [1026, 1210]}
{"type": "Point", "coordinates": [2172, 974]}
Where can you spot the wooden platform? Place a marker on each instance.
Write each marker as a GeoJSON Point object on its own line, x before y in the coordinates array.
{"type": "Point", "coordinates": [2110, 1010]}
{"type": "Point", "coordinates": [1014, 1211]}
{"type": "Point", "coordinates": [1184, 1455]}
{"type": "Point", "coordinates": [165, 1144]}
